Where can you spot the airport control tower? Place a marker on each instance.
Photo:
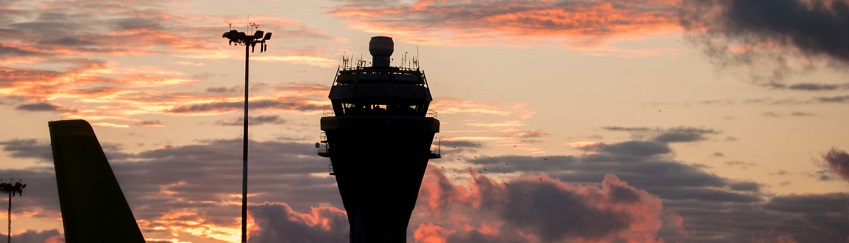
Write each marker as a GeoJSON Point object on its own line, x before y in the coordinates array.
{"type": "Point", "coordinates": [379, 142]}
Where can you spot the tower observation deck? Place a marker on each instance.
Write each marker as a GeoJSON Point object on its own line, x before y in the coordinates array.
{"type": "Point", "coordinates": [379, 142]}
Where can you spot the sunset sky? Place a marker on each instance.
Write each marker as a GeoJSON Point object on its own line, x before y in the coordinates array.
{"type": "Point", "coordinates": [561, 121]}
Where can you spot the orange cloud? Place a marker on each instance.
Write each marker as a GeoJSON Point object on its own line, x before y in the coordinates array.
{"type": "Point", "coordinates": [63, 51]}
{"type": "Point", "coordinates": [429, 233]}
{"type": "Point", "coordinates": [108, 95]}
{"type": "Point", "coordinates": [512, 23]}
{"type": "Point", "coordinates": [460, 106]}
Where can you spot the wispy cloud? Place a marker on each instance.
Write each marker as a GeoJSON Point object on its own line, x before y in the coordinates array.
{"type": "Point", "coordinates": [53, 58]}
{"type": "Point", "coordinates": [511, 23]}
{"type": "Point", "coordinates": [809, 86]}
{"type": "Point", "coordinates": [150, 123]}
{"type": "Point", "coordinates": [282, 103]}
{"type": "Point", "coordinates": [40, 106]}
{"type": "Point", "coordinates": [254, 120]}
{"type": "Point", "coordinates": [470, 107]}
{"type": "Point", "coordinates": [669, 135]}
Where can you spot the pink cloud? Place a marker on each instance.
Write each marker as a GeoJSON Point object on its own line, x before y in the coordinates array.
{"type": "Point", "coordinates": [534, 208]}
{"type": "Point", "coordinates": [509, 23]}
{"type": "Point", "coordinates": [470, 107]}
{"type": "Point", "coordinates": [772, 236]}
{"type": "Point", "coordinates": [277, 222]}
{"type": "Point", "coordinates": [677, 223]}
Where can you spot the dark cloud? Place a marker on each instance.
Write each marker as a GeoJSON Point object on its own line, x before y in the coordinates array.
{"type": "Point", "coordinates": [669, 135]}
{"type": "Point", "coordinates": [254, 120]}
{"type": "Point", "coordinates": [745, 186]}
{"type": "Point", "coordinates": [742, 165]}
{"type": "Point", "coordinates": [222, 89]}
{"type": "Point", "coordinates": [556, 213]}
{"type": "Point", "coordinates": [683, 134]}
{"type": "Point", "coordinates": [628, 129]}
{"type": "Point", "coordinates": [150, 123]}
{"type": "Point", "coordinates": [824, 216]}
{"type": "Point", "coordinates": [28, 148]}
{"type": "Point", "coordinates": [32, 236]}
{"type": "Point", "coordinates": [40, 198]}
{"type": "Point", "coordinates": [809, 86]}
{"type": "Point", "coordinates": [461, 144]}
{"type": "Point", "coordinates": [11, 75]}
{"type": "Point", "coordinates": [138, 23]}
{"type": "Point", "coordinates": [14, 52]}
{"type": "Point", "coordinates": [834, 99]}
{"type": "Point", "coordinates": [838, 161]}
{"type": "Point", "coordinates": [451, 147]}
{"type": "Point", "coordinates": [41, 106]}
{"type": "Point", "coordinates": [280, 104]}
{"type": "Point", "coordinates": [822, 175]}
{"type": "Point", "coordinates": [531, 136]}
{"type": "Point", "coordinates": [627, 151]}
{"type": "Point", "coordinates": [771, 114]}
{"type": "Point", "coordinates": [813, 87]}
{"type": "Point", "coordinates": [67, 41]}
{"type": "Point", "coordinates": [505, 164]}
{"type": "Point", "coordinates": [801, 113]}
{"type": "Point", "coordinates": [769, 33]}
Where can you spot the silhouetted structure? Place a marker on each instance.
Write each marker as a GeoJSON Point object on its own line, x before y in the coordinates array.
{"type": "Point", "coordinates": [379, 142]}
{"type": "Point", "coordinates": [11, 189]}
{"type": "Point", "coordinates": [93, 207]}
{"type": "Point", "coordinates": [249, 41]}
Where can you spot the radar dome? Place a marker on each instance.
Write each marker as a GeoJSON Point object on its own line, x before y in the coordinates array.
{"type": "Point", "coordinates": [381, 48]}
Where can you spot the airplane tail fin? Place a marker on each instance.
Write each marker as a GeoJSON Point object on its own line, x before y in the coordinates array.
{"type": "Point", "coordinates": [93, 207]}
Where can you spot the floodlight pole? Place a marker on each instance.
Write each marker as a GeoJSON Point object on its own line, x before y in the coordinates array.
{"type": "Point", "coordinates": [245, 153]}
{"type": "Point", "coordinates": [10, 220]}
{"type": "Point", "coordinates": [11, 189]}
{"type": "Point", "coordinates": [249, 41]}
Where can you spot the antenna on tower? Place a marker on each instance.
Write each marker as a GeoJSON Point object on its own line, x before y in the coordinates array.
{"type": "Point", "coordinates": [417, 59]}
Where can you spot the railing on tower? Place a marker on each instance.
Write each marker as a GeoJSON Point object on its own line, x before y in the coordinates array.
{"type": "Point", "coordinates": [436, 148]}
{"type": "Point", "coordinates": [322, 147]}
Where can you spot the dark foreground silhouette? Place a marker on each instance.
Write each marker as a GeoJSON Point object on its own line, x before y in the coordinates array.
{"type": "Point", "coordinates": [93, 207]}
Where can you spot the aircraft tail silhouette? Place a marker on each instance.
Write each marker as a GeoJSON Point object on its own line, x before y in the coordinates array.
{"type": "Point", "coordinates": [93, 207]}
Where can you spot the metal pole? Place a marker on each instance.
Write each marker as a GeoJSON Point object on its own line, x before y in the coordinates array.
{"type": "Point", "coordinates": [245, 154]}
{"type": "Point", "coordinates": [10, 218]}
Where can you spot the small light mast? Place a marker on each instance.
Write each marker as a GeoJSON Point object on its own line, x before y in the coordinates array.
{"type": "Point", "coordinates": [379, 140]}
{"type": "Point", "coordinates": [11, 189]}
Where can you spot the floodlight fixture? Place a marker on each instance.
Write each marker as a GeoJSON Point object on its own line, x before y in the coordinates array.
{"type": "Point", "coordinates": [11, 188]}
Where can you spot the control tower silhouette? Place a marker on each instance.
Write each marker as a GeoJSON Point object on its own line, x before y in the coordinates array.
{"type": "Point", "coordinates": [379, 142]}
